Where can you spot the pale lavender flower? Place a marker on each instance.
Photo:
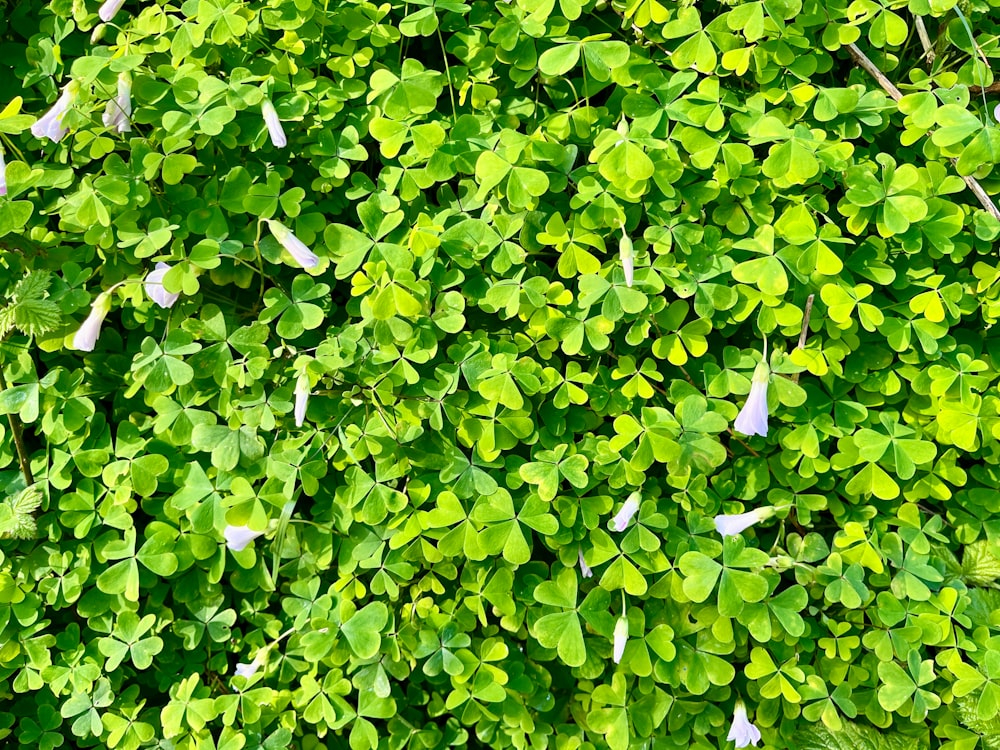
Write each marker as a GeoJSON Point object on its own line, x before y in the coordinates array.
{"type": "Point", "coordinates": [49, 125]}
{"type": "Point", "coordinates": [238, 537]}
{"type": "Point", "coordinates": [743, 732]}
{"type": "Point", "coordinates": [273, 124]}
{"type": "Point", "coordinates": [627, 257]}
{"type": "Point", "coordinates": [752, 419]}
{"type": "Point", "coordinates": [585, 570]}
{"type": "Point", "coordinates": [621, 638]}
{"type": "Point", "coordinates": [119, 109]}
{"type": "Point", "coordinates": [108, 10]}
{"type": "Point", "coordinates": [155, 289]}
{"type": "Point", "coordinates": [621, 520]}
{"type": "Point", "coordinates": [296, 247]}
{"type": "Point", "coordinates": [738, 523]}
{"type": "Point", "coordinates": [247, 671]}
{"type": "Point", "coordinates": [86, 336]}
{"type": "Point", "coordinates": [3, 175]}
{"type": "Point", "coordinates": [301, 399]}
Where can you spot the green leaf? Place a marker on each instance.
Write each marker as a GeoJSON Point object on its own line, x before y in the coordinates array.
{"type": "Point", "coordinates": [363, 630]}
{"type": "Point", "coordinates": [700, 575]}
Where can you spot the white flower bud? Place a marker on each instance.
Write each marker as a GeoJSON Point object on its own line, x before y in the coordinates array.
{"type": "Point", "coordinates": [621, 520]}
{"type": "Point", "coordinates": [49, 125]}
{"type": "Point", "coordinates": [119, 109]}
{"type": "Point", "coordinates": [154, 286]}
{"type": "Point", "coordinates": [274, 128]}
{"type": "Point", "coordinates": [621, 638]}
{"type": "Point", "coordinates": [298, 250]}
{"type": "Point", "coordinates": [238, 537]}
{"type": "Point", "coordinates": [86, 336]}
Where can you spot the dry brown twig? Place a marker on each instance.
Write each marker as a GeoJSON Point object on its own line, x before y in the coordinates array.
{"type": "Point", "coordinates": [890, 88]}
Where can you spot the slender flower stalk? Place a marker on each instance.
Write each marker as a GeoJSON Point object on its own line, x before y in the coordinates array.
{"type": "Point", "coordinates": [109, 8]}
{"type": "Point", "coordinates": [585, 570]}
{"type": "Point", "coordinates": [738, 523]}
{"type": "Point", "coordinates": [296, 247]}
{"type": "Point", "coordinates": [752, 419]}
{"type": "Point", "coordinates": [86, 336]}
{"type": "Point", "coordinates": [621, 520]}
{"type": "Point", "coordinates": [274, 128]}
{"type": "Point", "coordinates": [238, 537]}
{"type": "Point", "coordinates": [743, 732]}
{"type": "Point", "coordinates": [155, 289]}
{"type": "Point", "coordinates": [50, 125]}
{"type": "Point", "coordinates": [621, 638]}
{"type": "Point", "coordinates": [301, 398]}
{"type": "Point", "coordinates": [627, 257]}
{"type": "Point", "coordinates": [119, 109]}
{"type": "Point", "coordinates": [249, 670]}
{"type": "Point", "coordinates": [3, 175]}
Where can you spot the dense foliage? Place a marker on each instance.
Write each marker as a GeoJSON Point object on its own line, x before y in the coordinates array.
{"type": "Point", "coordinates": [486, 397]}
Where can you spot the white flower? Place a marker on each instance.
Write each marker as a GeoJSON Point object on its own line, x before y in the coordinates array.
{"type": "Point", "coordinates": [627, 258]}
{"type": "Point", "coordinates": [621, 637]}
{"type": "Point", "coordinates": [249, 670]}
{"type": "Point", "coordinates": [86, 336]}
{"type": "Point", "coordinates": [585, 570]}
{"type": "Point", "coordinates": [743, 732]}
{"type": "Point", "coordinates": [752, 419]}
{"type": "Point", "coordinates": [154, 286]}
{"type": "Point", "coordinates": [273, 124]}
{"type": "Point", "coordinates": [3, 175]}
{"type": "Point", "coordinates": [621, 520]}
{"type": "Point", "coordinates": [238, 537]}
{"type": "Point", "coordinates": [996, 113]}
{"type": "Point", "coordinates": [301, 398]}
{"type": "Point", "coordinates": [119, 109]}
{"type": "Point", "coordinates": [108, 10]}
{"type": "Point", "coordinates": [49, 125]}
{"type": "Point", "coordinates": [302, 254]}
{"type": "Point", "coordinates": [738, 523]}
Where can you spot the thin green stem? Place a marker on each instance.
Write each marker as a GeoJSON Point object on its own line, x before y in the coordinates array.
{"type": "Point", "coordinates": [17, 431]}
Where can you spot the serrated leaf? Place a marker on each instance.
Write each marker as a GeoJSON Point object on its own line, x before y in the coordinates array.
{"type": "Point", "coordinates": [16, 513]}
{"type": "Point", "coordinates": [36, 316]}
{"type": "Point", "coordinates": [851, 737]}
{"type": "Point", "coordinates": [33, 286]}
{"type": "Point", "coordinates": [980, 564]}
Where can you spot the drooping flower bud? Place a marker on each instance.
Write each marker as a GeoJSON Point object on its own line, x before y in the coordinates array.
{"type": "Point", "coordinates": [743, 732]}
{"type": "Point", "coordinates": [3, 175]}
{"type": "Point", "coordinates": [86, 336]}
{"type": "Point", "coordinates": [738, 523]}
{"type": "Point", "coordinates": [621, 520]}
{"type": "Point", "coordinates": [154, 286]}
{"type": "Point", "coordinates": [301, 398]}
{"type": "Point", "coordinates": [585, 570]}
{"type": "Point", "coordinates": [752, 419]}
{"type": "Point", "coordinates": [49, 125]}
{"type": "Point", "coordinates": [119, 110]}
{"type": "Point", "coordinates": [238, 537]}
{"type": "Point", "coordinates": [109, 8]}
{"type": "Point", "coordinates": [274, 128]}
{"type": "Point", "coordinates": [621, 638]}
{"type": "Point", "coordinates": [247, 671]}
{"type": "Point", "coordinates": [296, 247]}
